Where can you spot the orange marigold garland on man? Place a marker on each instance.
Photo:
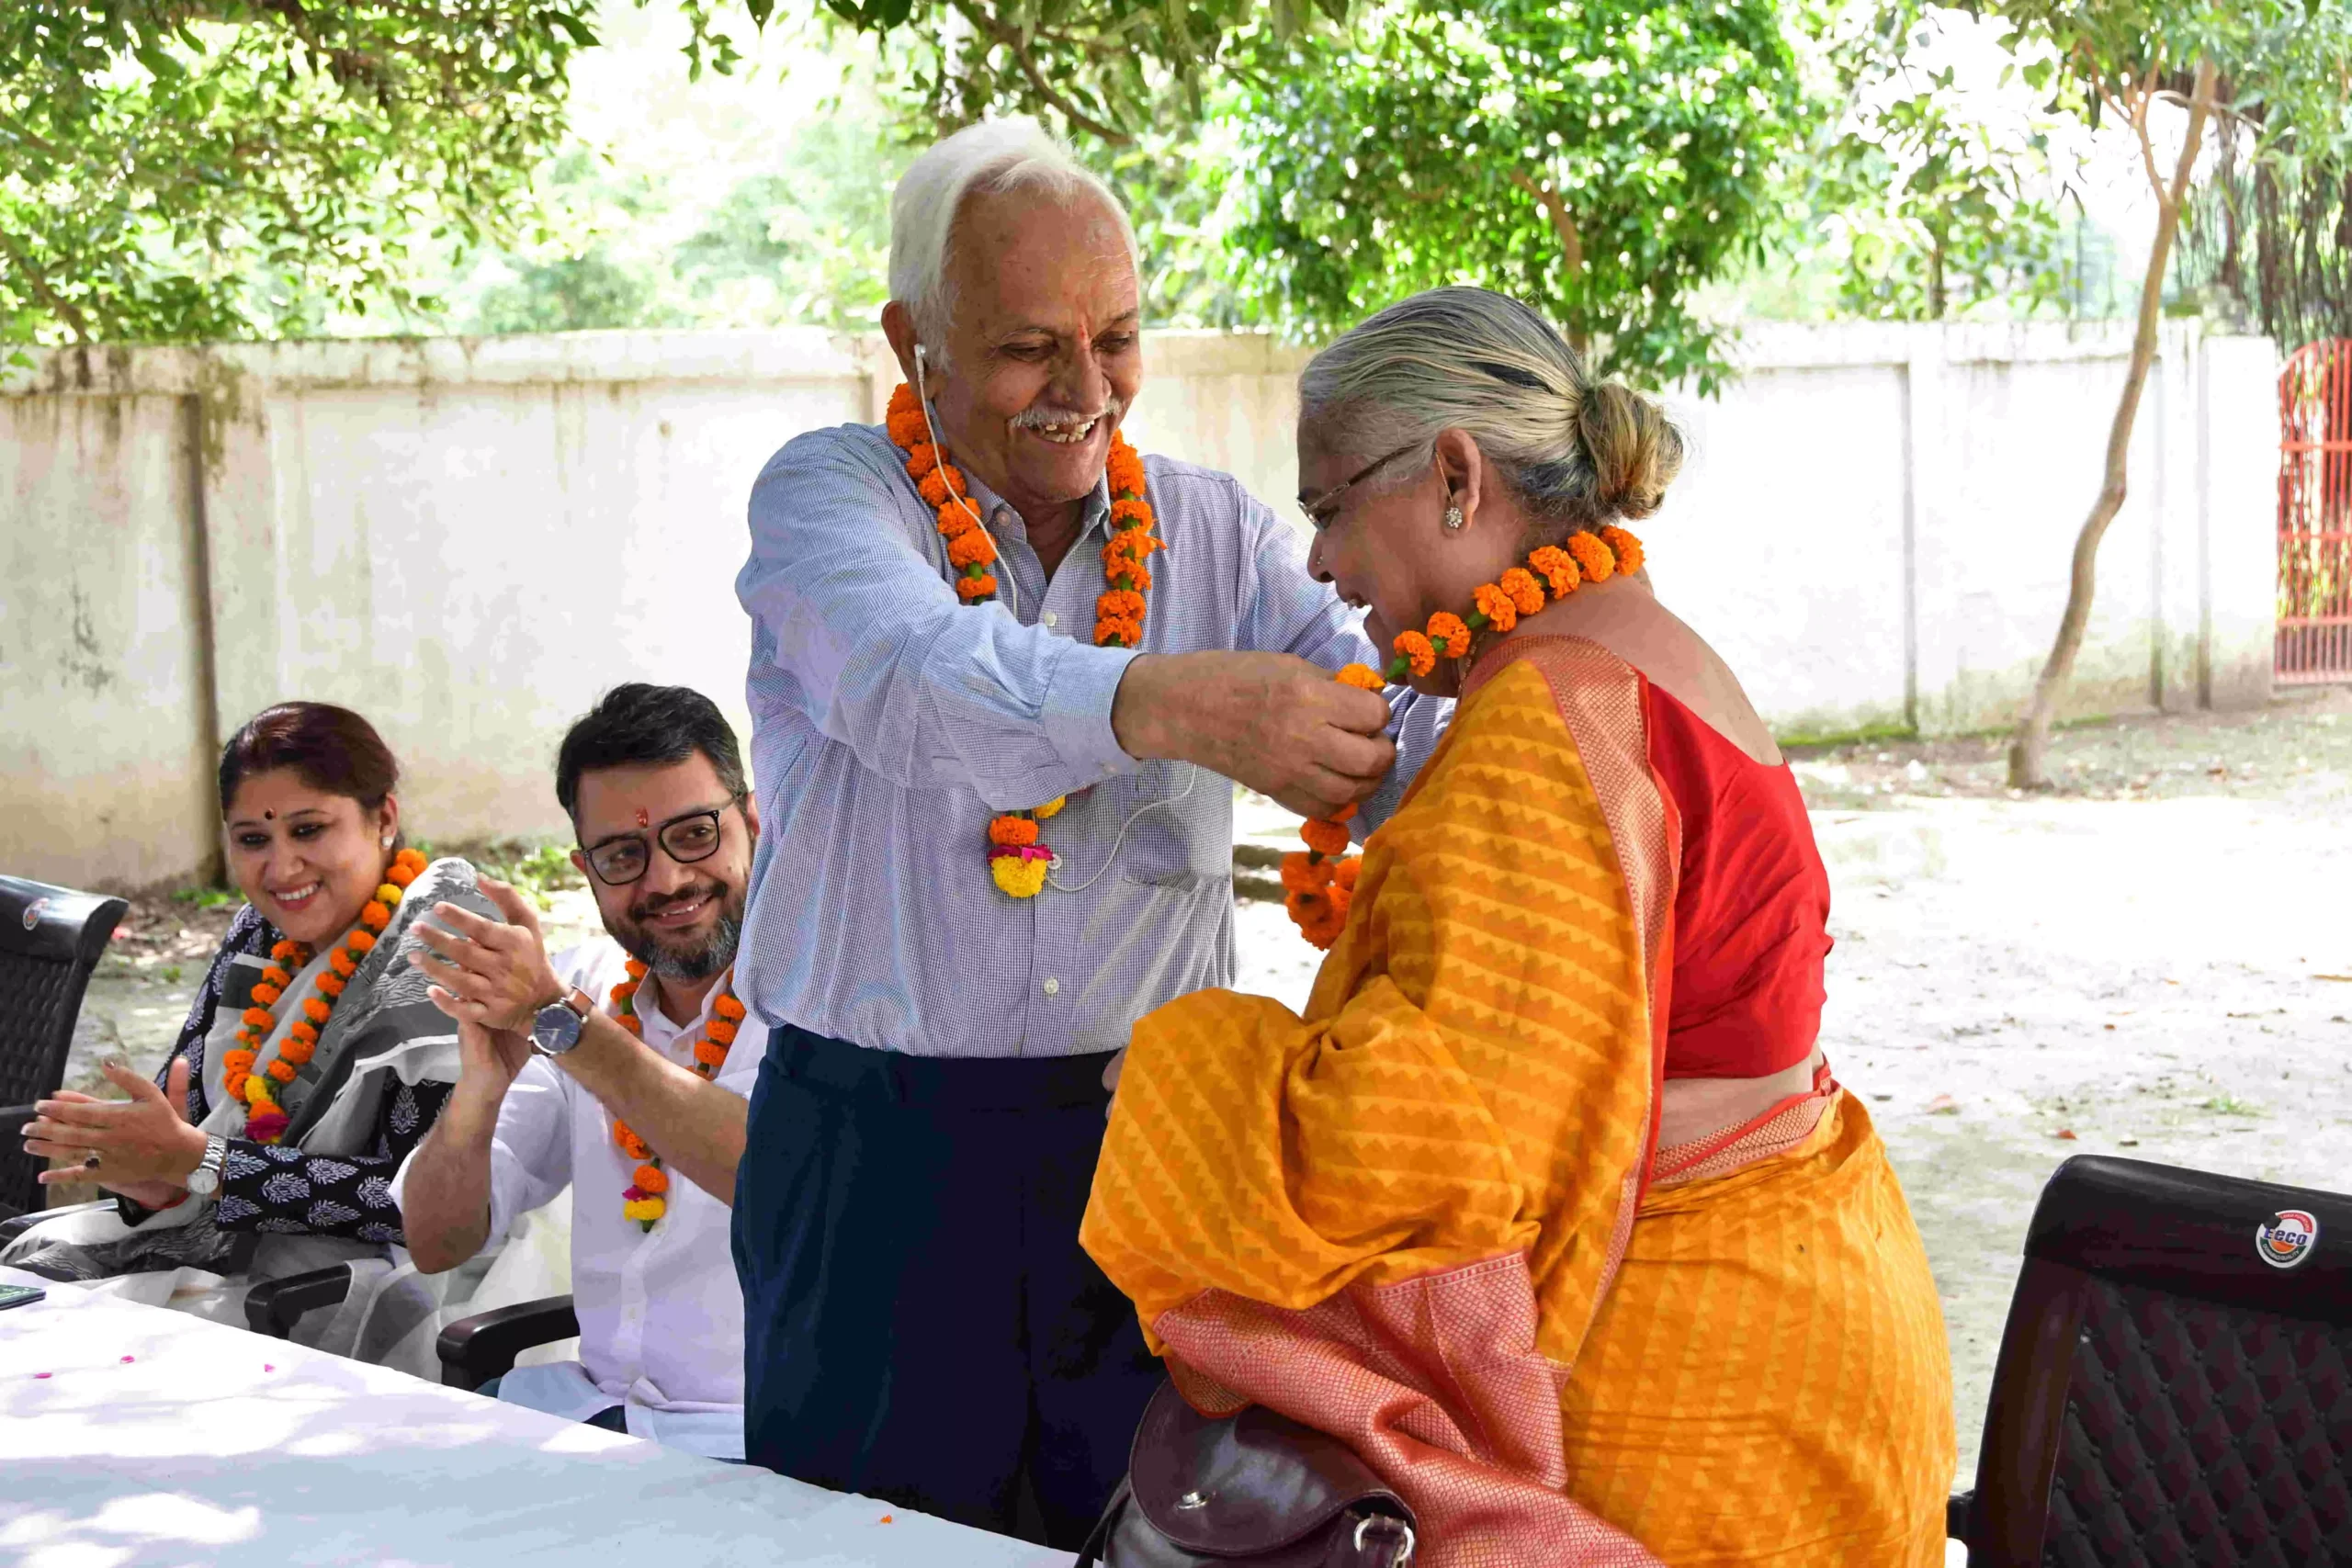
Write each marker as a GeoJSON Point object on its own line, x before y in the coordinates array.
{"type": "Point", "coordinates": [645, 1198]}
{"type": "Point", "coordinates": [1018, 862]}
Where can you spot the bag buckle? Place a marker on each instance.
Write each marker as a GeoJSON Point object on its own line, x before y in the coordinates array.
{"type": "Point", "coordinates": [1364, 1527]}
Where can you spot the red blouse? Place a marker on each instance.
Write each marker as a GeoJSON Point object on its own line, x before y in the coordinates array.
{"type": "Point", "coordinates": [1751, 913]}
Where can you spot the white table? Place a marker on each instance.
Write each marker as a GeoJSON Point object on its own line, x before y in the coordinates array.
{"type": "Point", "coordinates": [159, 1439]}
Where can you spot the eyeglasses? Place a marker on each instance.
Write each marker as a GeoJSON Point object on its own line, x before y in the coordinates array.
{"type": "Point", "coordinates": [688, 837]}
{"type": "Point", "coordinates": [1315, 506]}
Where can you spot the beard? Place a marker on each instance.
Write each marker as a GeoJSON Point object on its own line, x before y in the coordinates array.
{"type": "Point", "coordinates": [686, 956]}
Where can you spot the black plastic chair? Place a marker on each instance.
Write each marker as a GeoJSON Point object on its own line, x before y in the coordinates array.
{"type": "Point", "coordinates": [51, 937]}
{"type": "Point", "coordinates": [475, 1349]}
{"type": "Point", "coordinates": [472, 1350]}
{"type": "Point", "coordinates": [2175, 1384]}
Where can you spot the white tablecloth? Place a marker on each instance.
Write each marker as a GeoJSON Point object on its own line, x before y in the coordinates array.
{"type": "Point", "coordinates": [158, 1439]}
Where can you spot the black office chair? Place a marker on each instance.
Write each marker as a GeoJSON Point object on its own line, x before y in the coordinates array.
{"type": "Point", "coordinates": [472, 1350]}
{"type": "Point", "coordinates": [51, 937]}
{"type": "Point", "coordinates": [2175, 1384]}
{"type": "Point", "coordinates": [475, 1349]}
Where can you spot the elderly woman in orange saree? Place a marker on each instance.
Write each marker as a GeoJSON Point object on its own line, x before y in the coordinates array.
{"type": "Point", "coordinates": [1549, 1204]}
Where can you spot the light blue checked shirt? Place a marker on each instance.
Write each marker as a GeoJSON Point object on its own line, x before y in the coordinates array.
{"type": "Point", "coordinates": [890, 721]}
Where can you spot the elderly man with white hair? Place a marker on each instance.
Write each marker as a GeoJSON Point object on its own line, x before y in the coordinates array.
{"type": "Point", "coordinates": [1002, 671]}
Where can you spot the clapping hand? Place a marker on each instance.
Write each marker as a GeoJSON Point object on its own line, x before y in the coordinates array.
{"type": "Point", "coordinates": [482, 972]}
{"type": "Point", "coordinates": [143, 1148]}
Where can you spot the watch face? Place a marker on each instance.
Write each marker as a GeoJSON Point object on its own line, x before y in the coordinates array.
{"type": "Point", "coordinates": [202, 1182]}
{"type": "Point", "coordinates": [555, 1030]}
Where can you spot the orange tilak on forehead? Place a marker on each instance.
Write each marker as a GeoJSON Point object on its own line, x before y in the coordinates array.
{"type": "Point", "coordinates": [644, 817]}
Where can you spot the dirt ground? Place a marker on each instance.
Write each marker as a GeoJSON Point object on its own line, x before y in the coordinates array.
{"type": "Point", "coordinates": [2150, 961]}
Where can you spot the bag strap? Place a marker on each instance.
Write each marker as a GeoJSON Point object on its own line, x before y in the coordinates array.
{"type": "Point", "coordinates": [1098, 1542]}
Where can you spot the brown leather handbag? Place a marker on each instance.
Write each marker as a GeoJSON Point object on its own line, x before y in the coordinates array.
{"type": "Point", "coordinates": [1250, 1488]}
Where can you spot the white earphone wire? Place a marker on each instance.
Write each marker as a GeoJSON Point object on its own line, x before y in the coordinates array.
{"type": "Point", "coordinates": [922, 396]}
{"type": "Point", "coordinates": [1193, 777]}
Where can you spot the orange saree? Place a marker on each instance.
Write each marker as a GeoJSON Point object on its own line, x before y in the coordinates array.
{"type": "Point", "coordinates": [1431, 1217]}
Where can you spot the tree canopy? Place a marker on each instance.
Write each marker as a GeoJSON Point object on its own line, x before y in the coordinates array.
{"type": "Point", "coordinates": [1601, 161]}
{"type": "Point", "coordinates": [175, 169]}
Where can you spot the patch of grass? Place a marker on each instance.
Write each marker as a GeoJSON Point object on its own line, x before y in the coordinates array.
{"type": "Point", "coordinates": [171, 973]}
{"type": "Point", "coordinates": [2231, 1105]}
{"type": "Point", "coordinates": [1812, 742]}
{"type": "Point", "coordinates": [206, 898]}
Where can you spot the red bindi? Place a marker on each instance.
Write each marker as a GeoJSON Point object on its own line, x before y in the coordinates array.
{"type": "Point", "coordinates": [644, 819]}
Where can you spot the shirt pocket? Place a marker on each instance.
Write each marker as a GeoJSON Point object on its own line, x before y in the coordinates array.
{"type": "Point", "coordinates": [1178, 824]}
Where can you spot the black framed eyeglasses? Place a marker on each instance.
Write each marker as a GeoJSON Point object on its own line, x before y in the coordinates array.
{"type": "Point", "coordinates": [1312, 508]}
{"type": "Point", "coordinates": [689, 836]}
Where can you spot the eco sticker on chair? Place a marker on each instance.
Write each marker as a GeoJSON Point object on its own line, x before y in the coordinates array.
{"type": "Point", "coordinates": [2286, 1239]}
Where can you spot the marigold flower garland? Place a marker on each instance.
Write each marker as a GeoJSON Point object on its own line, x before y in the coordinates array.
{"type": "Point", "coordinates": [1319, 885]}
{"type": "Point", "coordinates": [1018, 862]}
{"type": "Point", "coordinates": [266, 1122]}
{"type": "Point", "coordinates": [644, 1199]}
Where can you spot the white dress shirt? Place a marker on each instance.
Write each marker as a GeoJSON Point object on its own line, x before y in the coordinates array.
{"type": "Point", "coordinates": [660, 1314]}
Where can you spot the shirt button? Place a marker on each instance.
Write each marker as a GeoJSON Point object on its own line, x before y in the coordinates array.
{"type": "Point", "coordinates": [1050, 619]}
{"type": "Point", "coordinates": [1053, 987]}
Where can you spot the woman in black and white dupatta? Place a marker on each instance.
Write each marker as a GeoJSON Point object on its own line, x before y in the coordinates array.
{"type": "Point", "coordinates": [211, 1195]}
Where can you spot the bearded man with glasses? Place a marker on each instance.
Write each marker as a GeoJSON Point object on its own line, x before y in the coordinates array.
{"type": "Point", "coordinates": [622, 1077]}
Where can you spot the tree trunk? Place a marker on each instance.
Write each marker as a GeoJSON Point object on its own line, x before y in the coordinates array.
{"type": "Point", "coordinates": [2032, 740]}
{"type": "Point", "coordinates": [1571, 244]}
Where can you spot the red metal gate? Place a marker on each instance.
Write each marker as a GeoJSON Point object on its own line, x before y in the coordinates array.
{"type": "Point", "coordinates": [2315, 516]}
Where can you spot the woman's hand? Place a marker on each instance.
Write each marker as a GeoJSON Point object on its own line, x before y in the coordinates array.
{"type": "Point", "coordinates": [1110, 1072]}
{"type": "Point", "coordinates": [143, 1148]}
{"type": "Point", "coordinates": [497, 975]}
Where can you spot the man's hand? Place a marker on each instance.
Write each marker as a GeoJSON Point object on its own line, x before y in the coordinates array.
{"type": "Point", "coordinates": [484, 972]}
{"type": "Point", "coordinates": [1269, 720]}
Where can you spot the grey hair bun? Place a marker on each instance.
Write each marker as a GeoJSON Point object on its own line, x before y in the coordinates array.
{"type": "Point", "coordinates": [1580, 453]}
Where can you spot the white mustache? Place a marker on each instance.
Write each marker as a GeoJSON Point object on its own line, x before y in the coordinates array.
{"type": "Point", "coordinates": [1041, 419]}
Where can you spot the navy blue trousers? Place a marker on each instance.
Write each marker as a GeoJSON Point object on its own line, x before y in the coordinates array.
{"type": "Point", "coordinates": [920, 1324]}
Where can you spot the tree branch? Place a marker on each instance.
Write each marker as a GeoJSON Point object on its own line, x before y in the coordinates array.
{"type": "Point", "coordinates": [1007, 38]}
{"type": "Point", "coordinates": [1571, 243]}
{"type": "Point", "coordinates": [63, 309]}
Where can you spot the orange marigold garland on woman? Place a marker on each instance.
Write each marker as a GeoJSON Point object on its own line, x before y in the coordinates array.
{"type": "Point", "coordinates": [1018, 862]}
{"type": "Point", "coordinates": [265, 1120]}
{"type": "Point", "coordinates": [1319, 885]}
{"type": "Point", "coordinates": [645, 1198]}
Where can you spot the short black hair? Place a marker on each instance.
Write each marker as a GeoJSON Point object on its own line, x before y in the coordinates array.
{"type": "Point", "coordinates": [641, 725]}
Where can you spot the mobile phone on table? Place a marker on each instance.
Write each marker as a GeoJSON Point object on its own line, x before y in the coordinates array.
{"type": "Point", "coordinates": [19, 1295]}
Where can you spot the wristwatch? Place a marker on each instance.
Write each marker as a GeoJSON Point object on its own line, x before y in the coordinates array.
{"type": "Point", "coordinates": [556, 1027]}
{"type": "Point", "coordinates": [205, 1180]}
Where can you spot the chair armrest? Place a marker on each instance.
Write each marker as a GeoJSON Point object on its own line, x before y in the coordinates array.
{"type": "Point", "coordinates": [475, 1349]}
{"type": "Point", "coordinates": [1957, 1507]}
{"type": "Point", "coordinates": [274, 1307]}
{"type": "Point", "coordinates": [10, 1229]}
